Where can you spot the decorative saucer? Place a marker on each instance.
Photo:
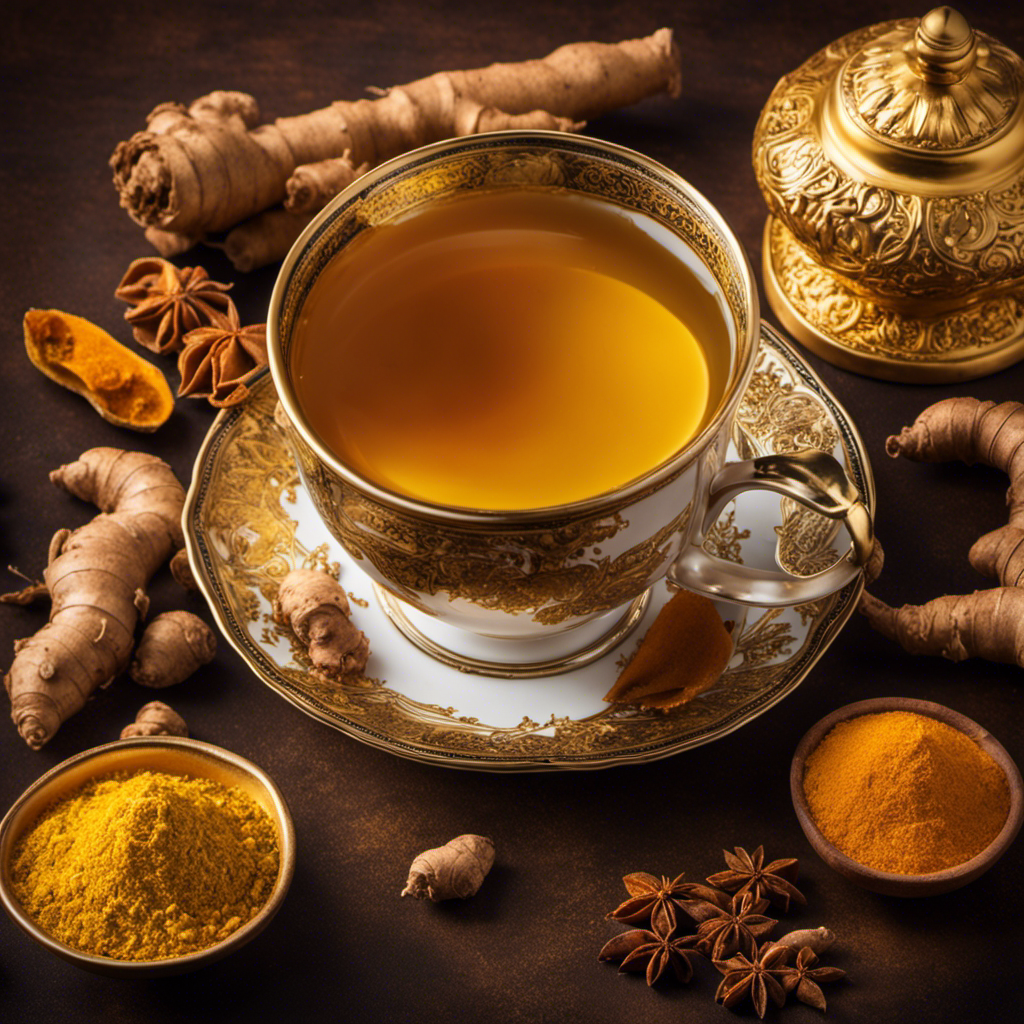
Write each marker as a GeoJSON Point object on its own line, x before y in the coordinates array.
{"type": "Point", "coordinates": [248, 522]}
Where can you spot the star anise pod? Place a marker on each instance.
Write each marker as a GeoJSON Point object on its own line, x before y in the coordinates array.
{"type": "Point", "coordinates": [656, 901]}
{"type": "Point", "coordinates": [757, 977]}
{"type": "Point", "coordinates": [218, 362]}
{"type": "Point", "coordinates": [167, 302]}
{"type": "Point", "coordinates": [803, 978]}
{"type": "Point", "coordinates": [652, 951]}
{"type": "Point", "coordinates": [736, 928]}
{"type": "Point", "coordinates": [749, 873]}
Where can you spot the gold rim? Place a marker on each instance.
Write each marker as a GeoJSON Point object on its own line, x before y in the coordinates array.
{"type": "Point", "coordinates": [556, 141]}
{"type": "Point", "coordinates": [625, 625]}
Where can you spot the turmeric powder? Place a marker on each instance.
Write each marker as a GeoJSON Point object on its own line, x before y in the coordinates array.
{"type": "Point", "coordinates": [905, 793]}
{"type": "Point", "coordinates": [146, 865]}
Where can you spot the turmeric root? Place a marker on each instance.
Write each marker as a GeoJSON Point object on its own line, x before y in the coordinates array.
{"type": "Point", "coordinates": [453, 871]}
{"type": "Point", "coordinates": [316, 609]}
{"type": "Point", "coordinates": [974, 431]}
{"type": "Point", "coordinates": [312, 186]}
{"type": "Point", "coordinates": [173, 646]}
{"type": "Point", "coordinates": [96, 577]}
{"type": "Point", "coordinates": [182, 571]}
{"type": "Point", "coordinates": [202, 170]}
{"type": "Point", "coordinates": [156, 719]}
{"type": "Point", "coordinates": [988, 623]}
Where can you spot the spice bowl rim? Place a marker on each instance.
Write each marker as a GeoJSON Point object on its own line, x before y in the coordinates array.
{"type": "Point", "coordinates": [892, 883]}
{"type": "Point", "coordinates": [192, 753]}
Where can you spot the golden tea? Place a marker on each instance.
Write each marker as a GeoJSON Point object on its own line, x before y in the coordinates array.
{"type": "Point", "coordinates": [508, 349]}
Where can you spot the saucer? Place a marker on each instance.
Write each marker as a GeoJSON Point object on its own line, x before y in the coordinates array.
{"type": "Point", "coordinates": [248, 521]}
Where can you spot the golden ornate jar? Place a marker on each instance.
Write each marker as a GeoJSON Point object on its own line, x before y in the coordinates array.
{"type": "Point", "coordinates": [892, 162]}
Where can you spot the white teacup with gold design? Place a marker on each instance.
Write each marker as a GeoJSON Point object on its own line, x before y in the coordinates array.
{"type": "Point", "coordinates": [539, 590]}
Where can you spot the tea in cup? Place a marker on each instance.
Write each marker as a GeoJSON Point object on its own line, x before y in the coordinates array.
{"type": "Point", "coordinates": [510, 364]}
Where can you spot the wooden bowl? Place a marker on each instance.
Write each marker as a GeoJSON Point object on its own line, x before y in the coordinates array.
{"type": "Point", "coordinates": [160, 753]}
{"type": "Point", "coordinates": [887, 883]}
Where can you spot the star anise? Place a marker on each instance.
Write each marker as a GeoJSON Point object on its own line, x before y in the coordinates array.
{"type": "Point", "coordinates": [167, 302]}
{"type": "Point", "coordinates": [802, 978]}
{"type": "Point", "coordinates": [652, 951]}
{"type": "Point", "coordinates": [736, 928]}
{"type": "Point", "coordinates": [757, 977]}
{"type": "Point", "coordinates": [654, 901]}
{"type": "Point", "coordinates": [749, 873]}
{"type": "Point", "coordinates": [218, 362]}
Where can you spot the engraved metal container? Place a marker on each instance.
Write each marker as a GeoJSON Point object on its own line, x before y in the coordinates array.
{"type": "Point", "coordinates": [892, 163]}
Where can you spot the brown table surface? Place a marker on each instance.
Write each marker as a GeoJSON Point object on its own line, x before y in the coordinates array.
{"type": "Point", "coordinates": [78, 77]}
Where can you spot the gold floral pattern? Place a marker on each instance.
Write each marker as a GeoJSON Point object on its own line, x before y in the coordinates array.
{"type": "Point", "coordinates": [887, 243]}
{"type": "Point", "coordinates": [829, 304]}
{"type": "Point", "coordinates": [243, 538]}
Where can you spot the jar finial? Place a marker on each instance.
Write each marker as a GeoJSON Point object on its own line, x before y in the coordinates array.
{"type": "Point", "coordinates": [945, 46]}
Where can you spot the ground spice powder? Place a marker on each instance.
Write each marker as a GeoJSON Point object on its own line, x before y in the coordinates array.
{"type": "Point", "coordinates": [146, 865]}
{"type": "Point", "coordinates": [905, 793]}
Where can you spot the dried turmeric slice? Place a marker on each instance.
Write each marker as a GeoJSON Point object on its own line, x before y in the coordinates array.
{"type": "Point", "coordinates": [684, 653]}
{"type": "Point", "coordinates": [121, 386]}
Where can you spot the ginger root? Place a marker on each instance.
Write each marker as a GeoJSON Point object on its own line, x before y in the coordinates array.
{"type": "Point", "coordinates": [121, 386]}
{"type": "Point", "coordinates": [988, 623]}
{"type": "Point", "coordinates": [182, 571]}
{"type": "Point", "coordinates": [315, 608]}
{"type": "Point", "coordinates": [96, 577]}
{"type": "Point", "coordinates": [312, 186]}
{"type": "Point", "coordinates": [974, 431]}
{"type": "Point", "coordinates": [264, 238]}
{"type": "Point", "coordinates": [173, 646]}
{"type": "Point", "coordinates": [453, 871]}
{"type": "Point", "coordinates": [202, 170]}
{"type": "Point", "coordinates": [156, 719]}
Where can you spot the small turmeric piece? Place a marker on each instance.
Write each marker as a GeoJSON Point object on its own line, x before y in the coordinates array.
{"type": "Point", "coordinates": [120, 385]}
{"type": "Point", "coordinates": [156, 719]}
{"type": "Point", "coordinates": [316, 609]}
{"type": "Point", "coordinates": [453, 871]}
{"type": "Point", "coordinates": [683, 654]}
{"type": "Point", "coordinates": [173, 646]}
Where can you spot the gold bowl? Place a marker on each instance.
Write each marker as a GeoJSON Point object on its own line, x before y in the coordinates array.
{"type": "Point", "coordinates": [168, 754]}
{"type": "Point", "coordinates": [885, 882]}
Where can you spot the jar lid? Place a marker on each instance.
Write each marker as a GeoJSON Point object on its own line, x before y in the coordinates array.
{"type": "Point", "coordinates": [892, 162]}
{"type": "Point", "coordinates": [928, 106]}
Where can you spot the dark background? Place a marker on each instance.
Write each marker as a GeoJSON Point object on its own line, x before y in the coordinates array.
{"type": "Point", "coordinates": [77, 78]}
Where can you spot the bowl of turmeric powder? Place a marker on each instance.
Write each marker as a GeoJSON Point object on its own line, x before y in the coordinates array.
{"type": "Point", "coordinates": [906, 797]}
{"type": "Point", "coordinates": [147, 856]}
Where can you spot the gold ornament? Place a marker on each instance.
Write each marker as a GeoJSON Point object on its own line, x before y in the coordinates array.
{"type": "Point", "coordinates": [892, 163]}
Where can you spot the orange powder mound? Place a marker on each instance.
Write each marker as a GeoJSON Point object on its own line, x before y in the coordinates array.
{"type": "Point", "coordinates": [905, 793]}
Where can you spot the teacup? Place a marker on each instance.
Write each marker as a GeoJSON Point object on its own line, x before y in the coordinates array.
{"type": "Point", "coordinates": [531, 591]}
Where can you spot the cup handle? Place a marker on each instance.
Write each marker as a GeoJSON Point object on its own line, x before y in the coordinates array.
{"type": "Point", "coordinates": [811, 477]}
